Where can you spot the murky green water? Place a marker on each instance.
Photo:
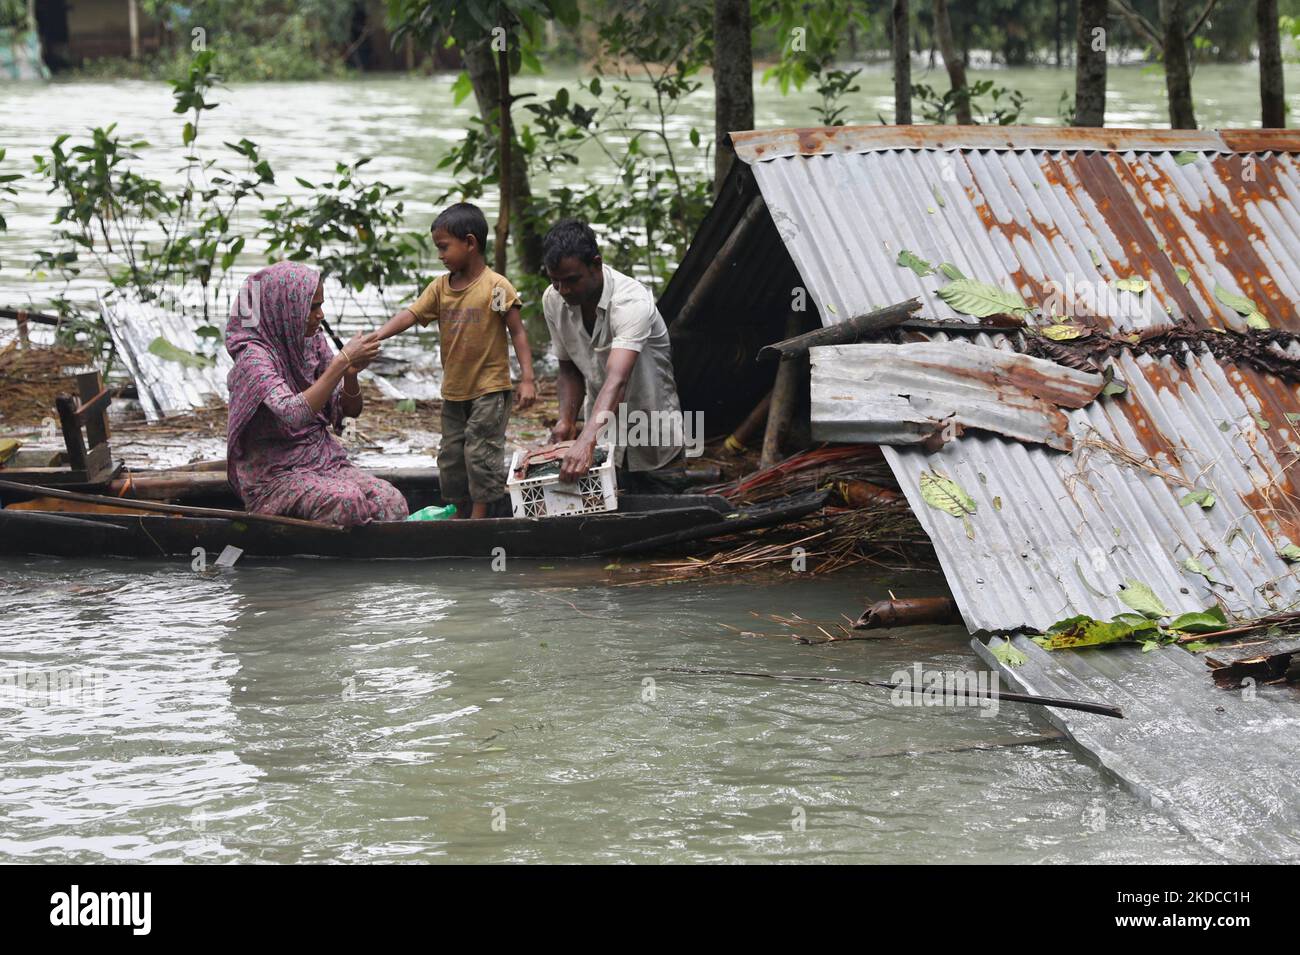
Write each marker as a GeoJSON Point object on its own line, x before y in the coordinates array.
{"type": "Point", "coordinates": [326, 711]}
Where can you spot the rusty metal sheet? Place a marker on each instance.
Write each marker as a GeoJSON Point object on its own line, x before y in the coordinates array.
{"type": "Point", "coordinates": [1059, 216]}
{"type": "Point", "coordinates": [912, 393]}
{"type": "Point", "coordinates": [1056, 535]}
{"type": "Point", "coordinates": [764, 144]}
{"type": "Point", "coordinates": [1059, 228]}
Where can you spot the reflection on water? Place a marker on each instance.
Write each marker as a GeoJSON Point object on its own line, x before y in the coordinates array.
{"type": "Point", "coordinates": [325, 711]}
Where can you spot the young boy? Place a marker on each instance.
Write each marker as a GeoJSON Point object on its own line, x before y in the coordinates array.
{"type": "Point", "coordinates": [475, 308]}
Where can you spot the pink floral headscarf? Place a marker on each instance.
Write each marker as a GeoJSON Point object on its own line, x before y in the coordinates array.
{"type": "Point", "coordinates": [266, 338]}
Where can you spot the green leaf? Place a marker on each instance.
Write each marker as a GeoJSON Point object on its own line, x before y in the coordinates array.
{"type": "Point", "coordinates": [1007, 654]}
{"type": "Point", "coordinates": [950, 270]}
{"type": "Point", "coordinates": [914, 262]}
{"type": "Point", "coordinates": [461, 88]}
{"type": "Point", "coordinates": [980, 299]}
{"type": "Point", "coordinates": [1133, 284]}
{"type": "Point", "coordinates": [1194, 566]}
{"type": "Point", "coordinates": [1289, 553]}
{"type": "Point", "coordinates": [1197, 646]}
{"type": "Point", "coordinates": [1084, 631]}
{"type": "Point", "coordinates": [1149, 645]}
{"type": "Point", "coordinates": [1142, 599]}
{"type": "Point", "coordinates": [944, 494]}
{"type": "Point", "coordinates": [1200, 496]}
{"type": "Point", "coordinates": [1242, 306]}
{"type": "Point", "coordinates": [1238, 303]}
{"type": "Point", "coordinates": [1184, 276]}
{"type": "Point", "coordinates": [1113, 385]}
{"type": "Point", "coordinates": [1063, 333]}
{"type": "Point", "coordinates": [169, 352]}
{"type": "Point", "coordinates": [406, 404]}
{"type": "Point", "coordinates": [1260, 420]}
{"type": "Point", "coordinates": [1184, 158]}
{"type": "Point", "coordinates": [187, 134]}
{"type": "Point", "coordinates": [1209, 620]}
{"type": "Point", "coordinates": [938, 196]}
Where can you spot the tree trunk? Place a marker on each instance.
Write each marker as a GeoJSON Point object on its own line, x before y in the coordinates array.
{"type": "Point", "coordinates": [1272, 95]}
{"type": "Point", "coordinates": [952, 62]}
{"type": "Point", "coordinates": [1178, 69]}
{"type": "Point", "coordinates": [1060, 22]}
{"type": "Point", "coordinates": [1090, 64]}
{"type": "Point", "coordinates": [733, 79]}
{"type": "Point", "coordinates": [504, 156]}
{"type": "Point", "coordinates": [482, 69]}
{"type": "Point", "coordinates": [900, 27]}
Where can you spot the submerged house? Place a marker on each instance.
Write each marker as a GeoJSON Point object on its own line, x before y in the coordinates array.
{"type": "Point", "coordinates": [1060, 218]}
{"type": "Point", "coordinates": [1141, 429]}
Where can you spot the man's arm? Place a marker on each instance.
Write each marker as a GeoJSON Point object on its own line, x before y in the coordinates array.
{"type": "Point", "coordinates": [618, 371]}
{"type": "Point", "coordinates": [570, 386]}
{"type": "Point", "coordinates": [399, 323]}
{"type": "Point", "coordinates": [526, 393]}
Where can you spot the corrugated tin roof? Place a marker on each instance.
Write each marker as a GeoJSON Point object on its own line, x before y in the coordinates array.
{"type": "Point", "coordinates": [911, 393]}
{"type": "Point", "coordinates": [762, 144]}
{"type": "Point", "coordinates": [166, 387]}
{"type": "Point", "coordinates": [1025, 207]}
{"type": "Point", "coordinates": [1169, 747]}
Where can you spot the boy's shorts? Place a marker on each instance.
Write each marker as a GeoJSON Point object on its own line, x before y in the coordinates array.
{"type": "Point", "coordinates": [472, 455]}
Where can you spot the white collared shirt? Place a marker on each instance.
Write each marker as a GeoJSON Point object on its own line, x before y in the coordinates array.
{"type": "Point", "coordinates": [626, 317]}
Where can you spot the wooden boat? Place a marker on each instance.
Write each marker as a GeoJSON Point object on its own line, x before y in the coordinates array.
{"type": "Point", "coordinates": [82, 525]}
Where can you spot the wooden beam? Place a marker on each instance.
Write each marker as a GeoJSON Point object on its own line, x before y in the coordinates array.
{"type": "Point", "coordinates": [781, 410]}
{"type": "Point", "coordinates": [213, 512]}
{"type": "Point", "coordinates": [66, 406]}
{"type": "Point", "coordinates": [725, 258]}
{"type": "Point", "coordinates": [850, 330]}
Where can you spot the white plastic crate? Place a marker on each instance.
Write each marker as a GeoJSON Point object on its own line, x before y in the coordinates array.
{"type": "Point", "coordinates": [597, 490]}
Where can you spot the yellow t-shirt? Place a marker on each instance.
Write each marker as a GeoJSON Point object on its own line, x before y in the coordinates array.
{"type": "Point", "coordinates": [472, 329]}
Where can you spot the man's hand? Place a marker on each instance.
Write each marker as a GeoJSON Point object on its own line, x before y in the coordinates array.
{"type": "Point", "coordinates": [563, 431]}
{"type": "Point", "coordinates": [577, 461]}
{"type": "Point", "coordinates": [525, 395]}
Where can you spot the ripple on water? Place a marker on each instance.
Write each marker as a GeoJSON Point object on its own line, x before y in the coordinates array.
{"type": "Point", "coordinates": [349, 712]}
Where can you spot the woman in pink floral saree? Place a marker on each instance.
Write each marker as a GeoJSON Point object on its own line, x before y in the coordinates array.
{"type": "Point", "coordinates": [286, 391]}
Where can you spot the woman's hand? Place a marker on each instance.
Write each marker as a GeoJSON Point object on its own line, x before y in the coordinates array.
{"type": "Point", "coordinates": [361, 351]}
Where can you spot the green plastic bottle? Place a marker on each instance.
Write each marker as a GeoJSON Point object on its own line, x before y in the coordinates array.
{"type": "Point", "coordinates": [434, 513]}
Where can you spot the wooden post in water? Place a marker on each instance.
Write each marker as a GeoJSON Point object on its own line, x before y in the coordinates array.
{"type": "Point", "coordinates": [781, 411]}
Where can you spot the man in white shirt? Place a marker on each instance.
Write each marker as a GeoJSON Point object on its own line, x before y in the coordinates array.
{"type": "Point", "coordinates": [613, 349]}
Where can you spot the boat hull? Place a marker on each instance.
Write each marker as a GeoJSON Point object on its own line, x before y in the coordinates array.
{"type": "Point", "coordinates": [642, 523]}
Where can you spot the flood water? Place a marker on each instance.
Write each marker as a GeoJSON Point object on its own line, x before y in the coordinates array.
{"type": "Point", "coordinates": [408, 711]}
{"type": "Point", "coordinates": [352, 711]}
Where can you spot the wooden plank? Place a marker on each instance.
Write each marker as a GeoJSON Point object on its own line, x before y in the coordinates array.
{"type": "Point", "coordinates": [27, 489]}
{"type": "Point", "coordinates": [841, 333]}
{"type": "Point", "coordinates": [99, 463]}
{"type": "Point", "coordinates": [66, 406]}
